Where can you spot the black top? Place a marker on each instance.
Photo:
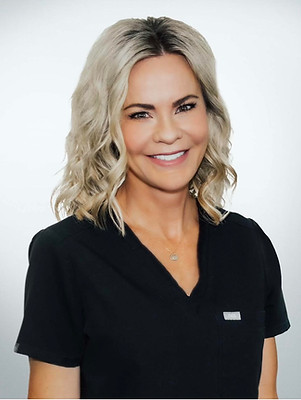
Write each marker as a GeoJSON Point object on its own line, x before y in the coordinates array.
{"type": "Point", "coordinates": [102, 301]}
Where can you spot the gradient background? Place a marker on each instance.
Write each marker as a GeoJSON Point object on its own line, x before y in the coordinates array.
{"type": "Point", "coordinates": [44, 45]}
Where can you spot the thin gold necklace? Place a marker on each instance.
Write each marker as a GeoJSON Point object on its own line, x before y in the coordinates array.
{"type": "Point", "coordinates": [173, 256]}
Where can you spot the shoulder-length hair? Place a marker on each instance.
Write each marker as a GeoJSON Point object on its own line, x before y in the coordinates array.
{"type": "Point", "coordinates": [96, 155]}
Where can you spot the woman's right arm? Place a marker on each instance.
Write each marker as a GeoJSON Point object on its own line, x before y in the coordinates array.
{"type": "Point", "coordinates": [48, 381]}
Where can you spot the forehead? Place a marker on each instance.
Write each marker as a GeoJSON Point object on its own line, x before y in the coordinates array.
{"type": "Point", "coordinates": [162, 77]}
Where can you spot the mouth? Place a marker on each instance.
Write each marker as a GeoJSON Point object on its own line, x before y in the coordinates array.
{"type": "Point", "coordinates": [170, 156]}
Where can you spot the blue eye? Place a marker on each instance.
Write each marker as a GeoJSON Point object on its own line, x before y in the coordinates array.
{"type": "Point", "coordinates": [139, 115]}
{"type": "Point", "coordinates": [186, 107]}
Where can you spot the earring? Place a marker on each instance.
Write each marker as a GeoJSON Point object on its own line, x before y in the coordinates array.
{"type": "Point", "coordinates": [193, 192]}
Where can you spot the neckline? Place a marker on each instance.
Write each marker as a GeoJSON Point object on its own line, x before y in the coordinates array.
{"type": "Point", "coordinates": [136, 244]}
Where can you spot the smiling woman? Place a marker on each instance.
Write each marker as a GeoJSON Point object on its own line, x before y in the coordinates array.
{"type": "Point", "coordinates": [165, 135]}
{"type": "Point", "coordinates": [149, 288]}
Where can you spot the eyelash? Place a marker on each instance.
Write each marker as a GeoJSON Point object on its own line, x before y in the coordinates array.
{"type": "Point", "coordinates": [138, 115]}
{"type": "Point", "coordinates": [182, 108]}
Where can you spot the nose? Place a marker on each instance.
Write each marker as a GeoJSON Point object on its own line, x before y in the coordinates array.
{"type": "Point", "coordinates": [167, 131]}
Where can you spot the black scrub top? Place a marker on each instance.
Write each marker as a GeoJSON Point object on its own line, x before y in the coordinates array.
{"type": "Point", "coordinates": [103, 302]}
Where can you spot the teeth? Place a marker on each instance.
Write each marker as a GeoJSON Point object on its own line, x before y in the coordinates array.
{"type": "Point", "coordinates": [169, 157]}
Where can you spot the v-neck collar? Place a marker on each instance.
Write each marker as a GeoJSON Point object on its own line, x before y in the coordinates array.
{"type": "Point", "coordinates": [169, 281]}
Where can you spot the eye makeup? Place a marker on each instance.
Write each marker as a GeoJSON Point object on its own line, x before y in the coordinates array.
{"type": "Point", "coordinates": [143, 114]}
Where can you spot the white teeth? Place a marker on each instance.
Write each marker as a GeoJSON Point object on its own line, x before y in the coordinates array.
{"type": "Point", "coordinates": [169, 157]}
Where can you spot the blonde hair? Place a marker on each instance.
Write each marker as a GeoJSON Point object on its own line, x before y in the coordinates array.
{"type": "Point", "coordinates": [96, 154]}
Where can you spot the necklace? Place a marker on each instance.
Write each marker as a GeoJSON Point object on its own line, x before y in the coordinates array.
{"type": "Point", "coordinates": [173, 256]}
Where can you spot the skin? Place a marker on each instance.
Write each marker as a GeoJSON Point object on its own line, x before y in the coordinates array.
{"type": "Point", "coordinates": [268, 379]}
{"type": "Point", "coordinates": [48, 381]}
{"type": "Point", "coordinates": [164, 113]}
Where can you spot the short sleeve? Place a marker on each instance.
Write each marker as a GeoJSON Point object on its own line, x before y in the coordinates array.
{"type": "Point", "coordinates": [52, 327]}
{"type": "Point", "coordinates": [276, 318]}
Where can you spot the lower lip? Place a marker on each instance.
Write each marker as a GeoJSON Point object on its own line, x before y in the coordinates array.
{"type": "Point", "coordinates": [170, 163]}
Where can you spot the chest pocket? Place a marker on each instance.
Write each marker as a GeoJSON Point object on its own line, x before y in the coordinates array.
{"type": "Point", "coordinates": [241, 337]}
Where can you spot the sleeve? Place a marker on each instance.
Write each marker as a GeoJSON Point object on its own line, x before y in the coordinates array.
{"type": "Point", "coordinates": [276, 318]}
{"type": "Point", "coordinates": [52, 327]}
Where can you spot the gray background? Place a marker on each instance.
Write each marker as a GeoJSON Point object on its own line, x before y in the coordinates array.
{"type": "Point", "coordinates": [43, 47]}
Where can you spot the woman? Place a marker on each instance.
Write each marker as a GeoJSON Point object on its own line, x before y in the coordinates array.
{"type": "Point", "coordinates": [149, 289]}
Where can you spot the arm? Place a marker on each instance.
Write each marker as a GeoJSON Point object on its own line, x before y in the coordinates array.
{"type": "Point", "coordinates": [267, 384]}
{"type": "Point", "coordinates": [48, 381]}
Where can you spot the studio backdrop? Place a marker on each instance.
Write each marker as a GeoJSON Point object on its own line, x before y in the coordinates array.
{"type": "Point", "coordinates": [43, 47]}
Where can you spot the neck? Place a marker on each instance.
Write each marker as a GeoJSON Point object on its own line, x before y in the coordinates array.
{"type": "Point", "coordinates": [167, 214]}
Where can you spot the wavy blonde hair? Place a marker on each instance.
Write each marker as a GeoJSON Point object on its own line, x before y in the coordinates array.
{"type": "Point", "coordinates": [96, 154]}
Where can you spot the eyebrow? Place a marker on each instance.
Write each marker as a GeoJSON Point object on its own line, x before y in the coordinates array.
{"type": "Point", "coordinates": [152, 107]}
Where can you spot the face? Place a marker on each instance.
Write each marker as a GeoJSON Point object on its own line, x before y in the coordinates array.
{"type": "Point", "coordinates": [164, 124]}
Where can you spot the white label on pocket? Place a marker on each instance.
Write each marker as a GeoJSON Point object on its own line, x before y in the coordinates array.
{"type": "Point", "coordinates": [232, 315]}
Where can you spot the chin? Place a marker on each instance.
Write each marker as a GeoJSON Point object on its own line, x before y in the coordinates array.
{"type": "Point", "coordinates": [172, 188]}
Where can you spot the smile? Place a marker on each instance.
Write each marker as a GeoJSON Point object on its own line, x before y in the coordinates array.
{"type": "Point", "coordinates": [169, 157]}
{"type": "Point", "coordinates": [169, 160]}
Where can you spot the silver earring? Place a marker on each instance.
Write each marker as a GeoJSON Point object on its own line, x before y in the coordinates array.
{"type": "Point", "coordinates": [193, 193]}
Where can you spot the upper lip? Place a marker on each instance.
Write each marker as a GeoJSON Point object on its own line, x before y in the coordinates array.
{"type": "Point", "coordinates": [168, 153]}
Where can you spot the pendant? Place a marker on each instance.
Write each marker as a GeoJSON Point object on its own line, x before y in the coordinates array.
{"type": "Point", "coordinates": [174, 257]}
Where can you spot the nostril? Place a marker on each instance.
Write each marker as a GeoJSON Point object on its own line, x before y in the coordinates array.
{"type": "Point", "coordinates": [167, 136]}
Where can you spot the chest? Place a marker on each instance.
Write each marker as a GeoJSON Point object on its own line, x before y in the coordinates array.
{"type": "Point", "coordinates": [179, 260]}
{"type": "Point", "coordinates": [142, 325]}
{"type": "Point", "coordinates": [140, 322]}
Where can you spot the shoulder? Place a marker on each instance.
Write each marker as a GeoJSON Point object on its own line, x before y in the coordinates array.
{"type": "Point", "coordinates": [66, 233]}
{"type": "Point", "coordinates": [60, 232]}
{"type": "Point", "coordinates": [238, 230]}
{"type": "Point", "coordinates": [236, 222]}
{"type": "Point", "coordinates": [65, 229]}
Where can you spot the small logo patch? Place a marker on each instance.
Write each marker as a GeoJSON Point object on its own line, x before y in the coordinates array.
{"type": "Point", "coordinates": [232, 315]}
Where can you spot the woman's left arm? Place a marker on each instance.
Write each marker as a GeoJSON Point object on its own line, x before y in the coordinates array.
{"type": "Point", "coordinates": [267, 384]}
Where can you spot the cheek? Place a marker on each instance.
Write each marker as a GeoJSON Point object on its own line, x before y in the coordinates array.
{"type": "Point", "coordinates": [200, 131]}
{"type": "Point", "coordinates": [134, 139]}
{"type": "Point", "coordinates": [201, 137]}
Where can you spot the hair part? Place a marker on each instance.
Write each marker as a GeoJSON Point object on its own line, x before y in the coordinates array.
{"type": "Point", "coordinates": [96, 154]}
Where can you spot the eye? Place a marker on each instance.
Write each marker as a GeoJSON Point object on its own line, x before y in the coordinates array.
{"type": "Point", "coordinates": [139, 115]}
{"type": "Point", "coordinates": [185, 107]}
